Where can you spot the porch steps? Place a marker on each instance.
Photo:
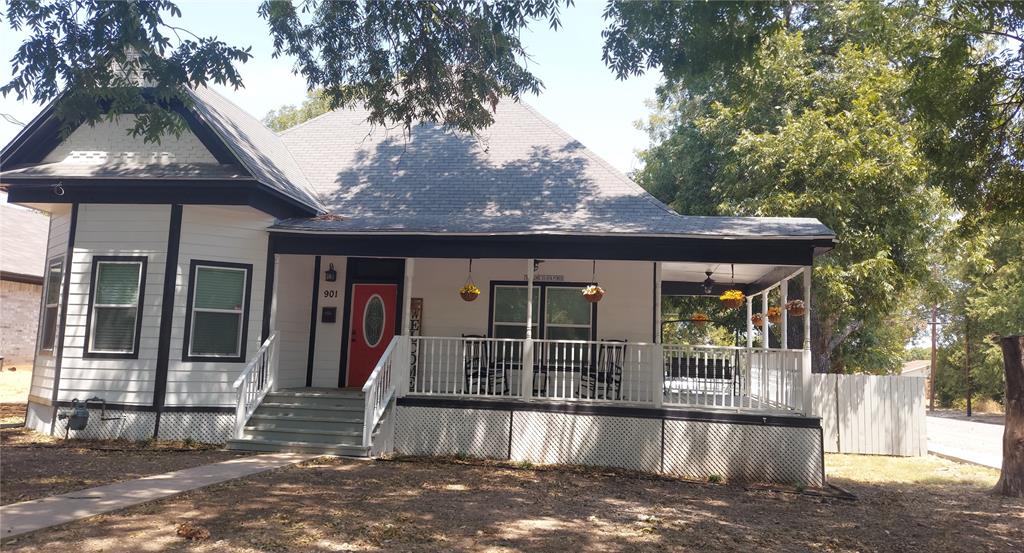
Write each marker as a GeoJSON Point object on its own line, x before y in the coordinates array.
{"type": "Point", "coordinates": [306, 421]}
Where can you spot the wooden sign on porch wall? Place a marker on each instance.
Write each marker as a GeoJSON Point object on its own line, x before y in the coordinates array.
{"type": "Point", "coordinates": [415, 329]}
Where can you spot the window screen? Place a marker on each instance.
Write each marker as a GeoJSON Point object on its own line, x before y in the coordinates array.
{"type": "Point", "coordinates": [116, 297]}
{"type": "Point", "coordinates": [218, 305]}
{"type": "Point", "coordinates": [51, 305]}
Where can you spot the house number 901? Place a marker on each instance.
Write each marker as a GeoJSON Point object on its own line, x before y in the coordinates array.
{"type": "Point", "coordinates": [330, 293]}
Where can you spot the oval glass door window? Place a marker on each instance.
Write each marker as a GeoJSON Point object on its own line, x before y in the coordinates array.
{"type": "Point", "coordinates": [373, 320]}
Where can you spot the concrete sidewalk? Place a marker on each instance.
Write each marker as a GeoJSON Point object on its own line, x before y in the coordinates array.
{"type": "Point", "coordinates": [962, 439]}
{"type": "Point", "coordinates": [29, 516]}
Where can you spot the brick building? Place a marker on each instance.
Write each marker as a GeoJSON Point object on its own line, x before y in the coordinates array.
{"type": "Point", "coordinates": [22, 256]}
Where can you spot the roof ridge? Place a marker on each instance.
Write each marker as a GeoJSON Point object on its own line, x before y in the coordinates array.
{"type": "Point", "coordinates": [306, 122]}
{"type": "Point", "coordinates": [599, 160]}
{"type": "Point", "coordinates": [306, 186]}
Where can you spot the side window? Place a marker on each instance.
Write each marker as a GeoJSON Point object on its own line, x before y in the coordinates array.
{"type": "Point", "coordinates": [115, 306]}
{"type": "Point", "coordinates": [51, 305]}
{"type": "Point", "coordinates": [218, 306]}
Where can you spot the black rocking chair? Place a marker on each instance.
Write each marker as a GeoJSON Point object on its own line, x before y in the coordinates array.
{"type": "Point", "coordinates": [605, 379]}
{"type": "Point", "coordinates": [482, 374]}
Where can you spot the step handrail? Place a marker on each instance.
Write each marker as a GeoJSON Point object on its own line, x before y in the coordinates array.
{"type": "Point", "coordinates": [256, 380]}
{"type": "Point", "coordinates": [379, 389]}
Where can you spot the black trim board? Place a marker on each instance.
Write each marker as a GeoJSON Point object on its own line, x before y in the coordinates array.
{"type": "Point", "coordinates": [269, 274]}
{"type": "Point", "coordinates": [36, 139]}
{"type": "Point", "coordinates": [63, 317]}
{"type": "Point", "coordinates": [21, 277]}
{"type": "Point", "coordinates": [240, 358]}
{"type": "Point", "coordinates": [569, 408]}
{"type": "Point", "coordinates": [143, 261]}
{"type": "Point", "coordinates": [155, 191]}
{"type": "Point", "coordinates": [313, 318]}
{"type": "Point", "coordinates": [368, 271]}
{"type": "Point", "coordinates": [788, 251]}
{"type": "Point", "coordinates": [150, 408]}
{"type": "Point", "coordinates": [163, 347]}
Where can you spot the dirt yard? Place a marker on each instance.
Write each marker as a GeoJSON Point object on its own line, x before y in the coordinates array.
{"type": "Point", "coordinates": [33, 465]}
{"type": "Point", "coordinates": [15, 383]}
{"type": "Point", "coordinates": [343, 505]}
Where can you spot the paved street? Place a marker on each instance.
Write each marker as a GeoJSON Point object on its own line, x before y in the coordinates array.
{"type": "Point", "coordinates": [977, 440]}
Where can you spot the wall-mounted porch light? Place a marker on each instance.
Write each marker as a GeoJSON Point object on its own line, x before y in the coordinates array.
{"type": "Point", "coordinates": [330, 275]}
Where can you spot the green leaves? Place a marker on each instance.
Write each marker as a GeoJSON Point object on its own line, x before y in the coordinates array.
{"type": "Point", "coordinates": [808, 127]}
{"type": "Point", "coordinates": [101, 52]}
{"type": "Point", "coordinates": [441, 61]}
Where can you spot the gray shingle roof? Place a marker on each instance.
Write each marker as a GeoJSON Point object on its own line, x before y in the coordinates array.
{"type": "Point", "coordinates": [521, 175]}
{"type": "Point", "coordinates": [258, 148]}
{"type": "Point", "coordinates": [23, 235]}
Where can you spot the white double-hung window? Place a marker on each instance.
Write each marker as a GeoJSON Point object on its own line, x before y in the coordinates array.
{"type": "Point", "coordinates": [115, 302]}
{"type": "Point", "coordinates": [51, 305]}
{"type": "Point", "coordinates": [217, 310]}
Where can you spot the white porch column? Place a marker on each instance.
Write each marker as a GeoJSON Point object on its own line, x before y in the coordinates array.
{"type": "Point", "coordinates": [657, 303]}
{"type": "Point", "coordinates": [526, 380]}
{"type": "Point", "coordinates": [764, 320]}
{"type": "Point", "coordinates": [784, 297]}
{"type": "Point", "coordinates": [750, 323]}
{"type": "Point", "coordinates": [806, 365]}
{"type": "Point", "coordinates": [657, 354]}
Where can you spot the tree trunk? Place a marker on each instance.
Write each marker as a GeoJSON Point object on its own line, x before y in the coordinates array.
{"type": "Point", "coordinates": [1011, 479]}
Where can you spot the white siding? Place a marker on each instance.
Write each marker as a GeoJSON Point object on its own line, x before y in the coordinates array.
{"type": "Point", "coordinates": [327, 359]}
{"type": "Point", "coordinates": [130, 230]}
{"type": "Point", "coordinates": [108, 142]}
{"type": "Point", "coordinates": [625, 313]}
{"type": "Point", "coordinates": [228, 234]}
{"type": "Point", "coordinates": [56, 246]}
{"type": "Point", "coordinates": [293, 283]}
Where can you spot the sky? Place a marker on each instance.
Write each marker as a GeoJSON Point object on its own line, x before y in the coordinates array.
{"type": "Point", "coordinates": [581, 95]}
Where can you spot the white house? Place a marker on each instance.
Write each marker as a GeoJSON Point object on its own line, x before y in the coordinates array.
{"type": "Point", "coordinates": [301, 291]}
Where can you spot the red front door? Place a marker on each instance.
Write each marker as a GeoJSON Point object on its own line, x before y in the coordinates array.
{"type": "Point", "coordinates": [371, 327]}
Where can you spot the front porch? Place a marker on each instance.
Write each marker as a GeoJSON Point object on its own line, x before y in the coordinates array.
{"type": "Point", "coordinates": [530, 335]}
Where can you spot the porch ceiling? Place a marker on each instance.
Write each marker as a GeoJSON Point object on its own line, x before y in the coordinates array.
{"type": "Point", "coordinates": [686, 278]}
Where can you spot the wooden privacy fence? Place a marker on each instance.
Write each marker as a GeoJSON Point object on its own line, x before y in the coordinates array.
{"type": "Point", "coordinates": [879, 415]}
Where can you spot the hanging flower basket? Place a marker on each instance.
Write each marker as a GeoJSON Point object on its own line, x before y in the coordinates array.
{"type": "Point", "coordinates": [469, 292]}
{"type": "Point", "coordinates": [757, 319]}
{"type": "Point", "coordinates": [774, 315]}
{"type": "Point", "coordinates": [593, 293]}
{"type": "Point", "coordinates": [796, 308]}
{"type": "Point", "coordinates": [732, 298]}
{"type": "Point", "coordinates": [700, 319]}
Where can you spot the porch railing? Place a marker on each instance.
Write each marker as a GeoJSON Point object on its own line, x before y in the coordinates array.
{"type": "Point", "coordinates": [733, 377]}
{"type": "Point", "coordinates": [749, 379]}
{"type": "Point", "coordinates": [256, 380]}
{"type": "Point", "coordinates": [381, 385]}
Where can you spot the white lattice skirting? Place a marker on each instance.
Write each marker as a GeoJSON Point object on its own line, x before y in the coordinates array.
{"type": "Point", "coordinates": [205, 427]}
{"type": "Point", "coordinates": [114, 424]}
{"type": "Point", "coordinates": [126, 424]}
{"type": "Point", "coordinates": [738, 451]}
{"type": "Point", "coordinates": [472, 432]}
